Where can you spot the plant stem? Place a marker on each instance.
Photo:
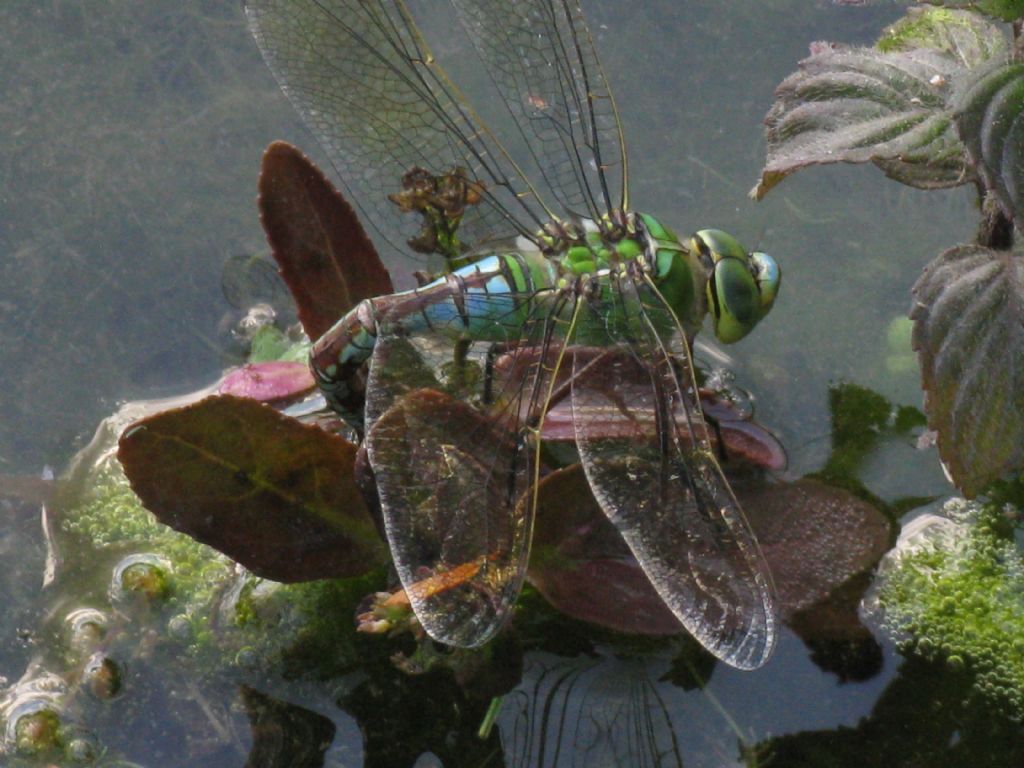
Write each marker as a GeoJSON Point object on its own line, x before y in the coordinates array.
{"type": "Point", "coordinates": [996, 229]}
{"type": "Point", "coordinates": [484, 731]}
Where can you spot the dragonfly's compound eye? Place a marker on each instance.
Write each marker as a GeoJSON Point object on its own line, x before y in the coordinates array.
{"type": "Point", "coordinates": [741, 287]}
{"type": "Point", "coordinates": [714, 245]}
{"type": "Point", "coordinates": [733, 299]}
{"type": "Point", "coordinates": [768, 277]}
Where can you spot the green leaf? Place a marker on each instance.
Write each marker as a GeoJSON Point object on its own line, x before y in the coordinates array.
{"type": "Point", "coordinates": [268, 491]}
{"type": "Point", "coordinates": [269, 344]}
{"type": "Point", "coordinates": [990, 118]}
{"type": "Point", "coordinates": [1007, 10]}
{"type": "Point", "coordinates": [860, 417]}
{"type": "Point", "coordinates": [969, 335]}
{"type": "Point", "coordinates": [889, 106]}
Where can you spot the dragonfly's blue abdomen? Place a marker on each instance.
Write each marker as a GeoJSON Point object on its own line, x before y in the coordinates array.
{"type": "Point", "coordinates": [480, 301]}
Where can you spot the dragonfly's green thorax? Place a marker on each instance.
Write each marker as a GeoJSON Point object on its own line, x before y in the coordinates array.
{"type": "Point", "coordinates": [594, 250]}
{"type": "Point", "coordinates": [678, 274]}
{"type": "Point", "coordinates": [596, 255]}
{"type": "Point", "coordinates": [674, 268]}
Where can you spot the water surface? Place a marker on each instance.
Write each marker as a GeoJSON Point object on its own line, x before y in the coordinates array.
{"type": "Point", "coordinates": [131, 139]}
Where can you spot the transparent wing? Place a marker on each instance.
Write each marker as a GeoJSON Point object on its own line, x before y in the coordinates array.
{"type": "Point", "coordinates": [449, 440]}
{"type": "Point", "coordinates": [368, 88]}
{"type": "Point", "coordinates": [542, 60]}
{"type": "Point", "coordinates": [659, 483]}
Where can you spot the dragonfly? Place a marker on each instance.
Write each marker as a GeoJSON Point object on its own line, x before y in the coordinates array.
{"type": "Point", "coordinates": [551, 290]}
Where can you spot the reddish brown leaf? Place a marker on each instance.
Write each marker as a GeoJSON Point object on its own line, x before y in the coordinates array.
{"type": "Point", "coordinates": [274, 494]}
{"type": "Point", "coordinates": [582, 566]}
{"type": "Point", "coordinates": [816, 538]}
{"type": "Point", "coordinates": [746, 442]}
{"type": "Point", "coordinates": [268, 382]}
{"type": "Point", "coordinates": [324, 255]}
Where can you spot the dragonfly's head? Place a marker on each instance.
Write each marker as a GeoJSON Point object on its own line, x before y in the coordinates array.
{"type": "Point", "coordinates": [741, 286]}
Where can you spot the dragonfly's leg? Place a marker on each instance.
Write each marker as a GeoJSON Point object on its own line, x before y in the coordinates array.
{"type": "Point", "coordinates": [492, 354]}
{"type": "Point", "coordinates": [714, 428]}
{"type": "Point", "coordinates": [494, 351]}
{"type": "Point", "coordinates": [562, 391]}
{"type": "Point", "coordinates": [460, 354]}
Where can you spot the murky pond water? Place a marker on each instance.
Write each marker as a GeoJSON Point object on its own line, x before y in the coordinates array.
{"type": "Point", "coordinates": [132, 134]}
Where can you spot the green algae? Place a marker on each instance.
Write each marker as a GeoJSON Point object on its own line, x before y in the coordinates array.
{"type": "Point", "coordinates": [955, 593]}
{"type": "Point", "coordinates": [922, 29]}
{"type": "Point", "coordinates": [218, 613]}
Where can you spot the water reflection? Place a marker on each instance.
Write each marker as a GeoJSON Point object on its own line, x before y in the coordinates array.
{"type": "Point", "coordinates": [591, 712]}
